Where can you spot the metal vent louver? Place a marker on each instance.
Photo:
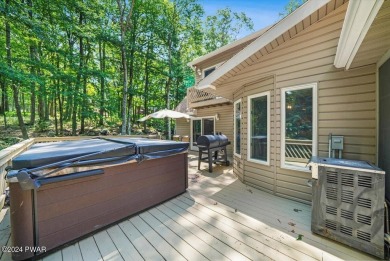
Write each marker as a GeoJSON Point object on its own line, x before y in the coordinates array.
{"type": "Point", "coordinates": [348, 205]}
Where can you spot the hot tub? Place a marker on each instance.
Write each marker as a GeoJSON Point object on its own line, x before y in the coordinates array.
{"type": "Point", "coordinates": [62, 191]}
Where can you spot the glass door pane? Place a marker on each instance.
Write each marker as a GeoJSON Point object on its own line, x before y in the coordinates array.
{"type": "Point", "coordinates": [259, 128]}
{"type": "Point", "coordinates": [208, 126]}
{"type": "Point", "coordinates": [298, 126]}
{"type": "Point", "coordinates": [196, 130]}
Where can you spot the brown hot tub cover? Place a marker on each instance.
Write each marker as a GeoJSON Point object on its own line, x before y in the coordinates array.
{"type": "Point", "coordinates": [62, 191]}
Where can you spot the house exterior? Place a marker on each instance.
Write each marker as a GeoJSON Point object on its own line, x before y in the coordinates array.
{"type": "Point", "coordinates": [211, 118]}
{"type": "Point", "coordinates": [210, 113]}
{"type": "Point", "coordinates": [323, 69]}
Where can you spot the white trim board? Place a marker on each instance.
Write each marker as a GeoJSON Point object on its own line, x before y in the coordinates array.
{"type": "Point", "coordinates": [249, 129]}
{"type": "Point", "coordinates": [358, 19]}
{"type": "Point", "coordinates": [275, 31]}
{"type": "Point", "coordinates": [314, 87]}
{"type": "Point", "coordinates": [381, 61]}
{"type": "Point", "coordinates": [235, 127]}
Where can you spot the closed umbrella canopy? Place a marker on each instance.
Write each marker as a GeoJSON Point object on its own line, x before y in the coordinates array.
{"type": "Point", "coordinates": [165, 114]}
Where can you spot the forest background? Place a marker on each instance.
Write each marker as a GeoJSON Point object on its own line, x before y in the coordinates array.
{"type": "Point", "coordinates": [84, 67]}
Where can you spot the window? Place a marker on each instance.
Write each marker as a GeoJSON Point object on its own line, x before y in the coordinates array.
{"type": "Point", "coordinates": [298, 126]}
{"type": "Point", "coordinates": [208, 71]}
{"type": "Point", "coordinates": [259, 128]}
{"type": "Point", "coordinates": [237, 128]}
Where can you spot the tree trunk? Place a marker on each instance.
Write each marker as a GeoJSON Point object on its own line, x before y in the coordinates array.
{"type": "Point", "coordinates": [46, 103]}
{"type": "Point", "coordinates": [4, 97]}
{"type": "Point", "coordinates": [146, 87]}
{"type": "Point", "coordinates": [131, 77]}
{"type": "Point", "coordinates": [9, 63]}
{"type": "Point", "coordinates": [42, 102]}
{"type": "Point", "coordinates": [58, 96]}
{"type": "Point", "coordinates": [55, 110]}
{"type": "Point", "coordinates": [78, 84]}
{"type": "Point", "coordinates": [81, 75]}
{"type": "Point", "coordinates": [23, 108]}
{"type": "Point", "coordinates": [124, 94]}
{"type": "Point", "coordinates": [102, 59]}
{"type": "Point", "coordinates": [3, 100]}
{"type": "Point", "coordinates": [33, 57]}
{"type": "Point", "coordinates": [167, 90]}
{"type": "Point", "coordinates": [124, 22]}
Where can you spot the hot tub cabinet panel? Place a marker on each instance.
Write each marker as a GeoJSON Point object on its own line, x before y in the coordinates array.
{"type": "Point", "coordinates": [70, 209]}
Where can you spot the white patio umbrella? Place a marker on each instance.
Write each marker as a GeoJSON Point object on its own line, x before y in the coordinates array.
{"type": "Point", "coordinates": [165, 113]}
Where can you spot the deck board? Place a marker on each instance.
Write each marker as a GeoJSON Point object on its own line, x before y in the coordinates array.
{"type": "Point", "coordinates": [197, 243]}
{"type": "Point", "coordinates": [211, 240]}
{"type": "Point", "coordinates": [72, 253]}
{"type": "Point", "coordinates": [273, 245]}
{"type": "Point", "coordinates": [137, 244]}
{"type": "Point", "coordinates": [5, 231]}
{"type": "Point", "coordinates": [209, 226]}
{"type": "Point", "coordinates": [282, 222]}
{"type": "Point", "coordinates": [252, 248]}
{"type": "Point", "coordinates": [246, 222]}
{"type": "Point", "coordinates": [218, 218]}
{"type": "Point", "coordinates": [6, 256]}
{"type": "Point", "coordinates": [56, 256]}
{"type": "Point", "coordinates": [189, 252]}
{"type": "Point", "coordinates": [107, 247]}
{"type": "Point", "coordinates": [89, 249]}
{"type": "Point", "coordinates": [162, 246]}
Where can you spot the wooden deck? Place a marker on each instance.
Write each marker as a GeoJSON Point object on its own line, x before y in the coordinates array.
{"type": "Point", "coordinates": [218, 218]}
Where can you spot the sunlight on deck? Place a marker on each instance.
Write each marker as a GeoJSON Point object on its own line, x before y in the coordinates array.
{"type": "Point", "coordinates": [218, 218]}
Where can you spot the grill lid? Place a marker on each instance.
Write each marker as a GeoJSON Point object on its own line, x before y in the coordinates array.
{"type": "Point", "coordinates": [212, 141]}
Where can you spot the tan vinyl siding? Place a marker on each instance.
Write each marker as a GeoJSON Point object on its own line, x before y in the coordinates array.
{"type": "Point", "coordinates": [262, 176]}
{"type": "Point", "coordinates": [346, 103]}
{"type": "Point", "coordinates": [182, 127]}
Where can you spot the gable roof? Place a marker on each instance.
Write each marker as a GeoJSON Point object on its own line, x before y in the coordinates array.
{"type": "Point", "coordinates": [243, 41]}
{"type": "Point", "coordinates": [277, 30]}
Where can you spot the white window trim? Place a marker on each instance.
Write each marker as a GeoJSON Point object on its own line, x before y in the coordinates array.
{"type": "Point", "coordinates": [208, 68]}
{"type": "Point", "coordinates": [283, 124]}
{"type": "Point", "coordinates": [235, 127]}
{"type": "Point", "coordinates": [381, 61]}
{"type": "Point", "coordinates": [201, 126]}
{"type": "Point", "coordinates": [268, 94]}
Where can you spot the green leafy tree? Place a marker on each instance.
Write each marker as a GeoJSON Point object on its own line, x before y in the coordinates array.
{"type": "Point", "coordinates": [95, 63]}
{"type": "Point", "coordinates": [291, 6]}
{"type": "Point", "coordinates": [224, 28]}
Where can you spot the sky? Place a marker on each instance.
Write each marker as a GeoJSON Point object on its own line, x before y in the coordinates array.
{"type": "Point", "coordinates": [262, 12]}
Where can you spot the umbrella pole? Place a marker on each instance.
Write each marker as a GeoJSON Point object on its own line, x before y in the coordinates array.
{"type": "Point", "coordinates": [169, 128]}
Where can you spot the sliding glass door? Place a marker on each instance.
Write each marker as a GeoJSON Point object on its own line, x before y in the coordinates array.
{"type": "Point", "coordinates": [201, 126]}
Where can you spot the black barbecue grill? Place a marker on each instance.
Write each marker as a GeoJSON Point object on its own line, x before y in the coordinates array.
{"type": "Point", "coordinates": [211, 145]}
